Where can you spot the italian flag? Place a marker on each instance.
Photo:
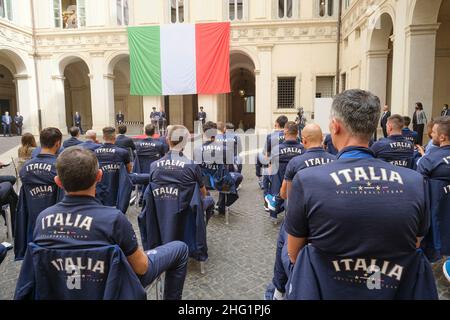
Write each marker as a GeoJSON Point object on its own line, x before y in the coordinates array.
{"type": "Point", "coordinates": [179, 59]}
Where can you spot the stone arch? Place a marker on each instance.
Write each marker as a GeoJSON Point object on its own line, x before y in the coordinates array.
{"type": "Point", "coordinates": [68, 59]}
{"type": "Point", "coordinates": [12, 61]}
{"type": "Point", "coordinates": [113, 58]}
{"type": "Point", "coordinates": [424, 12]}
{"type": "Point", "coordinates": [253, 56]}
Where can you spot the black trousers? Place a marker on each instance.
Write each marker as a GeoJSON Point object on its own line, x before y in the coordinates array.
{"type": "Point", "coordinates": [384, 132]}
{"type": "Point", "coordinates": [6, 129]}
{"type": "Point", "coordinates": [19, 130]}
{"type": "Point", "coordinates": [8, 196]}
{"type": "Point", "coordinates": [420, 129]}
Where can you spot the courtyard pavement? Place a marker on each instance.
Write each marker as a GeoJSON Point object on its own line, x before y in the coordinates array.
{"type": "Point", "coordinates": [241, 254]}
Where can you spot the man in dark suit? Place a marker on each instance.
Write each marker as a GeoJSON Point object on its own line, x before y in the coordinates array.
{"type": "Point", "coordinates": [6, 123]}
{"type": "Point", "coordinates": [201, 116]}
{"type": "Point", "coordinates": [445, 111]}
{"type": "Point", "coordinates": [77, 121]}
{"type": "Point", "coordinates": [18, 121]}
{"type": "Point", "coordinates": [120, 118]}
{"type": "Point", "coordinates": [384, 118]}
{"type": "Point", "coordinates": [73, 140]}
{"type": "Point", "coordinates": [125, 142]}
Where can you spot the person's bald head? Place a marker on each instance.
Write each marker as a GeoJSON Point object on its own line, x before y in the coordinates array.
{"type": "Point", "coordinates": [312, 136]}
{"type": "Point", "coordinates": [91, 135]}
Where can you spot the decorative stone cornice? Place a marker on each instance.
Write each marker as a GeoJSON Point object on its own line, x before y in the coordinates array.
{"type": "Point", "coordinates": [423, 29]}
{"type": "Point", "coordinates": [378, 53]}
{"type": "Point", "coordinates": [109, 76]}
{"type": "Point", "coordinates": [58, 77]}
{"type": "Point", "coordinates": [97, 54]}
{"type": "Point", "coordinates": [265, 47]}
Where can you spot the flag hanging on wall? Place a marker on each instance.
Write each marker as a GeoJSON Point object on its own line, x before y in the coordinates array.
{"type": "Point", "coordinates": [180, 59]}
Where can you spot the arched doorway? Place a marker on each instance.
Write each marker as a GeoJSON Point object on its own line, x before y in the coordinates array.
{"type": "Point", "coordinates": [380, 59]}
{"type": "Point", "coordinates": [77, 92]}
{"type": "Point", "coordinates": [131, 106]}
{"type": "Point", "coordinates": [241, 102]}
{"type": "Point", "coordinates": [442, 64]}
{"type": "Point", "coordinates": [8, 99]}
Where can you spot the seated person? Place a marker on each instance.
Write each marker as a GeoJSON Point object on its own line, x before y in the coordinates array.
{"type": "Point", "coordinates": [409, 134]}
{"type": "Point", "coordinates": [78, 173]}
{"type": "Point", "coordinates": [233, 142]}
{"type": "Point", "coordinates": [328, 145]}
{"type": "Point", "coordinates": [123, 141]}
{"type": "Point", "coordinates": [175, 167]}
{"type": "Point", "coordinates": [74, 139]}
{"type": "Point", "coordinates": [395, 149]}
{"type": "Point", "coordinates": [108, 152]}
{"type": "Point", "coordinates": [91, 142]}
{"type": "Point", "coordinates": [214, 158]}
{"type": "Point", "coordinates": [280, 158]}
{"type": "Point", "coordinates": [26, 149]}
{"type": "Point", "coordinates": [314, 156]}
{"type": "Point", "coordinates": [148, 149]}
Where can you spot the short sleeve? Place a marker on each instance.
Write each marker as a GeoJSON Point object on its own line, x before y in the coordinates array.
{"type": "Point", "coordinates": [124, 235]}
{"type": "Point", "coordinates": [199, 176]}
{"type": "Point", "coordinates": [290, 171]}
{"type": "Point", "coordinates": [296, 216]}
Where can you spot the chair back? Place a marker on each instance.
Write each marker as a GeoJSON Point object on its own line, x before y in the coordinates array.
{"type": "Point", "coordinates": [101, 273]}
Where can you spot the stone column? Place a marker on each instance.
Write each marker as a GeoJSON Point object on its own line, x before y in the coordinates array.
{"type": "Point", "coordinates": [420, 67]}
{"type": "Point", "coordinates": [377, 73]}
{"type": "Point", "coordinates": [263, 77]}
{"type": "Point", "coordinates": [102, 94]}
{"type": "Point", "coordinates": [27, 103]}
{"type": "Point", "coordinates": [54, 111]}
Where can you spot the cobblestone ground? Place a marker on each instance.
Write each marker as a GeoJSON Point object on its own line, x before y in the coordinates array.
{"type": "Point", "coordinates": [241, 254]}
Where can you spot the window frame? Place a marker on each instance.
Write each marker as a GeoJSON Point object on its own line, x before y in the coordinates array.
{"type": "Point", "coordinates": [325, 75]}
{"type": "Point", "coordinates": [295, 10]}
{"type": "Point", "coordinates": [295, 98]}
{"type": "Point", "coordinates": [8, 10]}
{"type": "Point", "coordinates": [334, 9]}
{"type": "Point", "coordinates": [177, 14]}
{"type": "Point", "coordinates": [60, 20]}
{"type": "Point", "coordinates": [228, 11]}
{"type": "Point", "coordinates": [122, 13]}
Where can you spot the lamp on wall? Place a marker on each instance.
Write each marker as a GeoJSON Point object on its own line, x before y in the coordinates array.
{"type": "Point", "coordinates": [243, 86]}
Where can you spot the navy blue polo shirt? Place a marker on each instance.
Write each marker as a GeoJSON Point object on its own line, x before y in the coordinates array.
{"type": "Point", "coordinates": [40, 170]}
{"type": "Point", "coordinates": [90, 145]}
{"type": "Point", "coordinates": [150, 148]}
{"type": "Point", "coordinates": [175, 168]}
{"type": "Point", "coordinates": [395, 149]}
{"type": "Point", "coordinates": [287, 150]}
{"type": "Point", "coordinates": [410, 135]}
{"type": "Point", "coordinates": [82, 222]}
{"type": "Point", "coordinates": [311, 158]}
{"type": "Point", "coordinates": [328, 142]}
{"type": "Point", "coordinates": [232, 141]}
{"type": "Point", "coordinates": [436, 165]}
{"type": "Point", "coordinates": [71, 142]}
{"type": "Point", "coordinates": [110, 153]}
{"type": "Point", "coordinates": [272, 140]}
{"type": "Point", "coordinates": [358, 205]}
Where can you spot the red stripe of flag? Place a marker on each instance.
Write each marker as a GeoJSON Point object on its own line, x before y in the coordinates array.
{"type": "Point", "coordinates": [213, 57]}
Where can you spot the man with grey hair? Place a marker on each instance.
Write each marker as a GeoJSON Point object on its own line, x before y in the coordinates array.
{"type": "Point", "coordinates": [91, 142]}
{"type": "Point", "coordinates": [350, 208]}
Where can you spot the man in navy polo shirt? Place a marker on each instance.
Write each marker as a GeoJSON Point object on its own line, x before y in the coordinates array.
{"type": "Point", "coordinates": [280, 158]}
{"type": "Point", "coordinates": [91, 142]}
{"type": "Point", "coordinates": [149, 149]}
{"type": "Point", "coordinates": [110, 153]}
{"type": "Point", "coordinates": [74, 139]}
{"type": "Point", "coordinates": [90, 224]}
{"type": "Point", "coordinates": [176, 168]}
{"type": "Point", "coordinates": [395, 149]}
{"type": "Point", "coordinates": [328, 145]}
{"type": "Point", "coordinates": [314, 156]}
{"type": "Point", "coordinates": [347, 208]}
{"type": "Point", "coordinates": [232, 142]}
{"type": "Point", "coordinates": [272, 140]}
{"type": "Point", "coordinates": [436, 165]}
{"type": "Point", "coordinates": [408, 133]}
{"type": "Point", "coordinates": [38, 189]}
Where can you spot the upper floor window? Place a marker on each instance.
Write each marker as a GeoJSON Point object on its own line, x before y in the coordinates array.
{"type": "Point", "coordinates": [6, 9]}
{"type": "Point", "coordinates": [69, 14]}
{"type": "Point", "coordinates": [326, 8]}
{"type": "Point", "coordinates": [123, 12]}
{"type": "Point", "coordinates": [177, 8]}
{"type": "Point", "coordinates": [286, 92]}
{"type": "Point", "coordinates": [235, 10]}
{"type": "Point", "coordinates": [284, 8]}
{"type": "Point", "coordinates": [347, 3]}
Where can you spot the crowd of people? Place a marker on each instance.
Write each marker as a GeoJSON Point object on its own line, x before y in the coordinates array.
{"type": "Point", "coordinates": [352, 203]}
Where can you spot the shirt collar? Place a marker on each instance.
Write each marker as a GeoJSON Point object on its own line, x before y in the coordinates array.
{"type": "Point", "coordinates": [315, 149]}
{"type": "Point", "coordinates": [352, 152]}
{"type": "Point", "coordinates": [79, 199]}
{"type": "Point", "coordinates": [46, 155]}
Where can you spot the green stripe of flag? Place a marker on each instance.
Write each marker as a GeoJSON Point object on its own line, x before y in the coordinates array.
{"type": "Point", "coordinates": [145, 60]}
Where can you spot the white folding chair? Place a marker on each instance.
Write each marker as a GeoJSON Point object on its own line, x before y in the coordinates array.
{"type": "Point", "coordinates": [9, 230]}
